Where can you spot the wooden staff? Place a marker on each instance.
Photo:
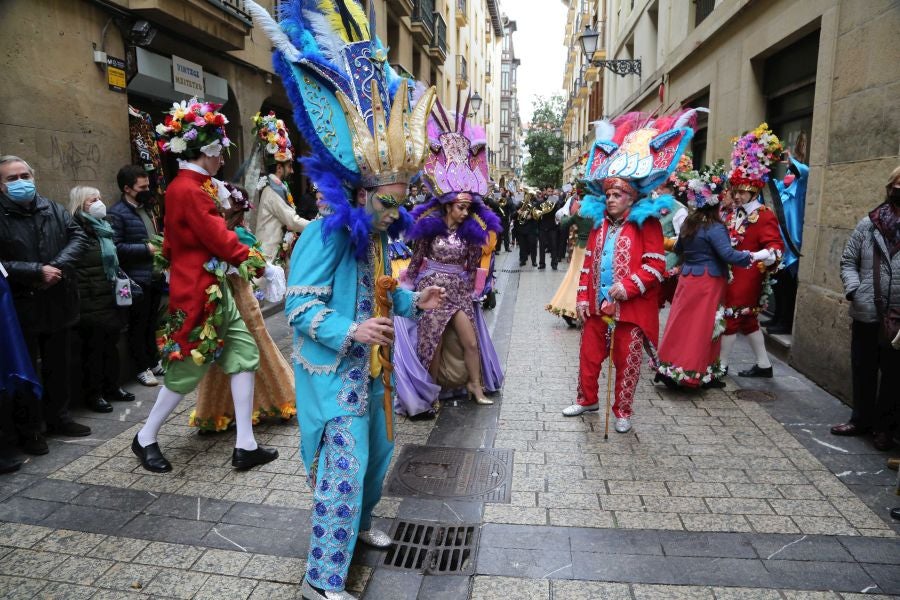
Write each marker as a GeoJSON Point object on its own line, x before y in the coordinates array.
{"type": "Point", "coordinates": [383, 286]}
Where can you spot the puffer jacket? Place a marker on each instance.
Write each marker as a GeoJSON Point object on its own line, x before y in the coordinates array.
{"type": "Point", "coordinates": [131, 237]}
{"type": "Point", "coordinates": [97, 293]}
{"type": "Point", "coordinates": [857, 272]}
{"type": "Point", "coordinates": [44, 234]}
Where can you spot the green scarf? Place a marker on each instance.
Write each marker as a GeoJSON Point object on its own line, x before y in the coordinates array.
{"type": "Point", "coordinates": [104, 233]}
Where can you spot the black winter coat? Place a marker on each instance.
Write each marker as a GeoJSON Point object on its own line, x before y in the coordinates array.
{"type": "Point", "coordinates": [97, 293]}
{"type": "Point", "coordinates": [131, 239]}
{"type": "Point", "coordinates": [44, 234]}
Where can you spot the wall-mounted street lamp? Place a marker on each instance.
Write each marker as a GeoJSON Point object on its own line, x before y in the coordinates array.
{"type": "Point", "coordinates": [620, 67]}
{"type": "Point", "coordinates": [475, 103]}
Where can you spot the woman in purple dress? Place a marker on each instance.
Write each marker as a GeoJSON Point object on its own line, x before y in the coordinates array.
{"type": "Point", "coordinates": [450, 347]}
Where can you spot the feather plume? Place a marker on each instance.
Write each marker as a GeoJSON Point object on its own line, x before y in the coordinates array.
{"type": "Point", "coordinates": [359, 16]}
{"type": "Point", "coordinates": [264, 20]}
{"type": "Point", "coordinates": [330, 42]}
{"type": "Point", "coordinates": [603, 130]}
{"type": "Point", "coordinates": [689, 118]}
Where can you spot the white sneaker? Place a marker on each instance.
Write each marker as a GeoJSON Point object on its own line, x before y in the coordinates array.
{"type": "Point", "coordinates": [623, 425]}
{"type": "Point", "coordinates": [375, 538]}
{"type": "Point", "coordinates": [577, 409]}
{"type": "Point", "coordinates": [308, 593]}
{"type": "Point", "coordinates": [147, 378]}
{"type": "Point", "coordinates": [158, 369]}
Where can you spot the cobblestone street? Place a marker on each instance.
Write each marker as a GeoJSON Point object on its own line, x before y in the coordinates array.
{"type": "Point", "coordinates": [725, 495]}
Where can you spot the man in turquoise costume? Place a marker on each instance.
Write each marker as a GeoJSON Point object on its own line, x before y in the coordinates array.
{"type": "Point", "coordinates": [368, 139]}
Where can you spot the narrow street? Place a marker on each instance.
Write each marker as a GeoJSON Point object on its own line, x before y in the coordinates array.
{"type": "Point", "coordinates": [729, 494]}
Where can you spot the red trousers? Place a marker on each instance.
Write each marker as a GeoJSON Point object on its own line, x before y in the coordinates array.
{"type": "Point", "coordinates": [627, 351]}
{"type": "Point", "coordinates": [745, 324]}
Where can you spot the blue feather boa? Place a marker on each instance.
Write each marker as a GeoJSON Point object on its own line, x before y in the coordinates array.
{"type": "Point", "coordinates": [594, 208]}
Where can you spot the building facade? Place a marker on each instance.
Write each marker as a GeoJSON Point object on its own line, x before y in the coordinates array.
{"type": "Point", "coordinates": [510, 121]}
{"type": "Point", "coordinates": [823, 74]}
{"type": "Point", "coordinates": [582, 81]}
{"type": "Point", "coordinates": [80, 75]}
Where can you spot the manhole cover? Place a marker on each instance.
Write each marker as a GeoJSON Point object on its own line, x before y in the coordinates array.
{"type": "Point", "coordinates": [433, 548]}
{"type": "Point", "coordinates": [511, 270]}
{"type": "Point", "coordinates": [754, 395]}
{"type": "Point", "coordinates": [459, 473]}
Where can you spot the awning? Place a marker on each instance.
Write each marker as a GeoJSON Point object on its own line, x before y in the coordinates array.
{"type": "Point", "coordinates": [154, 79]}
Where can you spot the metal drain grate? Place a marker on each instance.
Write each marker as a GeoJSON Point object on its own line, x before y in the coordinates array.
{"type": "Point", "coordinates": [754, 395]}
{"type": "Point", "coordinates": [510, 270]}
{"type": "Point", "coordinates": [458, 473]}
{"type": "Point", "coordinates": [433, 548]}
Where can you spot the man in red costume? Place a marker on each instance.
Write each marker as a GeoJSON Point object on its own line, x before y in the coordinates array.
{"type": "Point", "coordinates": [624, 265]}
{"type": "Point", "coordinates": [752, 227]}
{"type": "Point", "coordinates": [204, 325]}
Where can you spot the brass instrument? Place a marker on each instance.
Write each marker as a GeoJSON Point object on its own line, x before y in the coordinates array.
{"type": "Point", "coordinates": [542, 210]}
{"type": "Point", "coordinates": [524, 213]}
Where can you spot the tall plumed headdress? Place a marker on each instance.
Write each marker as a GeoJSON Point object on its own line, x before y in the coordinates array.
{"type": "Point", "coordinates": [456, 165]}
{"type": "Point", "coordinates": [363, 125]}
{"type": "Point", "coordinates": [635, 153]}
{"type": "Point", "coordinates": [752, 158]}
{"type": "Point", "coordinates": [457, 162]}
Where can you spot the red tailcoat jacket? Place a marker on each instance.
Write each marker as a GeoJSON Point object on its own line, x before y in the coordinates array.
{"type": "Point", "coordinates": [757, 230]}
{"type": "Point", "coordinates": [195, 233]}
{"type": "Point", "coordinates": [639, 263]}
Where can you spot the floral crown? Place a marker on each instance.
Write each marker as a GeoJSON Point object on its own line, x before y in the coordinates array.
{"type": "Point", "coordinates": [273, 137]}
{"type": "Point", "coordinates": [677, 179]}
{"type": "Point", "coordinates": [752, 158]}
{"type": "Point", "coordinates": [192, 127]}
{"type": "Point", "coordinates": [237, 198]}
{"type": "Point", "coordinates": [704, 188]}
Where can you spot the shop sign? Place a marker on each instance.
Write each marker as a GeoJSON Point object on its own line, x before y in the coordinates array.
{"type": "Point", "coordinates": [115, 74]}
{"type": "Point", "coordinates": [187, 77]}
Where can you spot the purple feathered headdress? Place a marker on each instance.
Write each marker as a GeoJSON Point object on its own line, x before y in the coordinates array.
{"type": "Point", "coordinates": [456, 165]}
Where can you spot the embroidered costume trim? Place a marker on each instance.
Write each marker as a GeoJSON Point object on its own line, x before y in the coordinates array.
{"type": "Point", "coordinates": [322, 292]}
{"type": "Point", "coordinates": [336, 502]}
{"type": "Point", "coordinates": [653, 272]}
{"type": "Point", "coordinates": [317, 321]}
{"type": "Point", "coordinates": [653, 255]}
{"type": "Point", "coordinates": [302, 309]}
{"type": "Point", "coordinates": [640, 284]}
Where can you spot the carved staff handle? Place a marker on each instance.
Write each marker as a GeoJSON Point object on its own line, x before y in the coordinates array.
{"type": "Point", "coordinates": [384, 285]}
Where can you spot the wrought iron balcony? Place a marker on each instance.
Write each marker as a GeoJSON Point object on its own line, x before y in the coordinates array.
{"type": "Point", "coordinates": [487, 73]}
{"type": "Point", "coordinates": [438, 48]}
{"type": "Point", "coordinates": [422, 21]}
{"type": "Point", "coordinates": [404, 7]}
{"type": "Point", "coordinates": [462, 13]}
{"type": "Point", "coordinates": [462, 72]}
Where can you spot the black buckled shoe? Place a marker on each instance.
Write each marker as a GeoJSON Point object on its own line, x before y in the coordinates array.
{"type": "Point", "coordinates": [247, 459]}
{"type": "Point", "coordinates": [33, 442]}
{"type": "Point", "coordinates": [118, 395]}
{"type": "Point", "coordinates": [8, 464]}
{"type": "Point", "coordinates": [756, 371]}
{"type": "Point", "coordinates": [99, 404]}
{"type": "Point", "coordinates": [151, 457]}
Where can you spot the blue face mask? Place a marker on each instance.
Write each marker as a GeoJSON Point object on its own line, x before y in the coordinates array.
{"type": "Point", "coordinates": [20, 190]}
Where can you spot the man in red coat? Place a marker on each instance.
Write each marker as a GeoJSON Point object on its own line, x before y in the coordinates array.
{"type": "Point", "coordinates": [752, 227]}
{"type": "Point", "coordinates": [624, 266]}
{"type": "Point", "coordinates": [204, 324]}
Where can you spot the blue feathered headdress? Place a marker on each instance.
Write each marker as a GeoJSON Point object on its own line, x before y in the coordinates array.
{"type": "Point", "coordinates": [344, 92]}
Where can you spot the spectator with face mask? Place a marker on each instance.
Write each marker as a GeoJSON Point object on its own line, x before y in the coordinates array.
{"type": "Point", "coordinates": [39, 246]}
{"type": "Point", "coordinates": [134, 224]}
{"type": "Point", "coordinates": [97, 373]}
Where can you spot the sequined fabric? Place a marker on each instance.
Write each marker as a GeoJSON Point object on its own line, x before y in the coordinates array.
{"type": "Point", "coordinates": [447, 250]}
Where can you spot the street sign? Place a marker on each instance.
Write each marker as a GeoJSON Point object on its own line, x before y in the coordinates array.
{"type": "Point", "coordinates": [115, 74]}
{"type": "Point", "coordinates": [187, 77]}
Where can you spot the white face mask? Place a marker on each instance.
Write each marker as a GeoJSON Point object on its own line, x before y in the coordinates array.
{"type": "Point", "coordinates": [97, 210]}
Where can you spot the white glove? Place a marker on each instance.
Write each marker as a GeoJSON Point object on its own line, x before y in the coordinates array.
{"type": "Point", "coordinates": [276, 286]}
{"type": "Point", "coordinates": [760, 255]}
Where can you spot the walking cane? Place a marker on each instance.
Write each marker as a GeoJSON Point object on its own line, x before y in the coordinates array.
{"type": "Point", "coordinates": [384, 285]}
{"type": "Point", "coordinates": [611, 324]}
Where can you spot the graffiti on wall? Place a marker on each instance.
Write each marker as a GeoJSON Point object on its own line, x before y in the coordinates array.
{"type": "Point", "coordinates": [79, 161]}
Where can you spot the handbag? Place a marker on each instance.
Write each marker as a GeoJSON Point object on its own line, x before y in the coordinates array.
{"type": "Point", "coordinates": [126, 290]}
{"type": "Point", "coordinates": [888, 316]}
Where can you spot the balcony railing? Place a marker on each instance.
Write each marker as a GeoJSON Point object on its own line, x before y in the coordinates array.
{"type": "Point", "coordinates": [462, 71]}
{"type": "Point", "coordinates": [234, 8]}
{"type": "Point", "coordinates": [438, 48]}
{"type": "Point", "coordinates": [422, 21]}
{"type": "Point", "coordinates": [462, 13]}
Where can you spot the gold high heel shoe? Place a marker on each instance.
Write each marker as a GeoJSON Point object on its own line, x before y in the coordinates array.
{"type": "Point", "coordinates": [479, 398]}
